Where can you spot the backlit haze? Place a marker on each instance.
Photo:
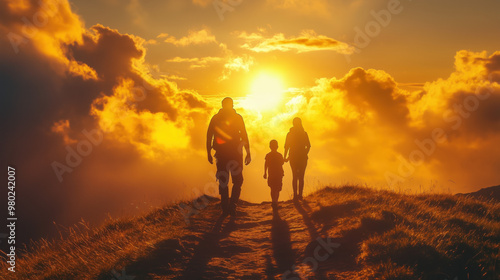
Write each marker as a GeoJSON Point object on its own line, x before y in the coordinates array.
{"type": "Point", "coordinates": [401, 95]}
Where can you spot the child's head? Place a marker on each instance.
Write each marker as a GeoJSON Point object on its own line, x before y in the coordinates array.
{"type": "Point", "coordinates": [273, 145]}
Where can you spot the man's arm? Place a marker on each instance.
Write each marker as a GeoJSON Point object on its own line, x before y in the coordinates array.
{"type": "Point", "coordinates": [265, 169]}
{"type": "Point", "coordinates": [210, 136]}
{"type": "Point", "coordinates": [246, 143]}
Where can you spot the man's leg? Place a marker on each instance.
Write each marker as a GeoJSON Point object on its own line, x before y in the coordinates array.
{"type": "Point", "coordinates": [223, 178]}
{"type": "Point", "coordinates": [224, 201]}
{"type": "Point", "coordinates": [236, 170]}
{"type": "Point", "coordinates": [235, 193]}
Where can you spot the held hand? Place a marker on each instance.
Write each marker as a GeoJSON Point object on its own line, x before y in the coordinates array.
{"type": "Point", "coordinates": [210, 158]}
{"type": "Point", "coordinates": [265, 176]}
{"type": "Point", "coordinates": [248, 159]}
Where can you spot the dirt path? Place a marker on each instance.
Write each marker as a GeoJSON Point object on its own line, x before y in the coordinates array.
{"type": "Point", "coordinates": [258, 243]}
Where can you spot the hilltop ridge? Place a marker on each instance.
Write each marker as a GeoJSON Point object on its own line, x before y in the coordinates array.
{"type": "Point", "coordinates": [489, 193]}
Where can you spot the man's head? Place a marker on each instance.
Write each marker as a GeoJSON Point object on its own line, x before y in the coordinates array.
{"type": "Point", "coordinates": [227, 103]}
{"type": "Point", "coordinates": [273, 144]}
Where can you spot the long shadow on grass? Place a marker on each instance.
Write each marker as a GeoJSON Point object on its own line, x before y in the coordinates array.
{"type": "Point", "coordinates": [309, 253]}
{"type": "Point", "coordinates": [329, 215]}
{"type": "Point", "coordinates": [209, 247]}
{"type": "Point", "coordinates": [313, 232]}
{"type": "Point", "coordinates": [282, 247]}
{"type": "Point", "coordinates": [345, 257]}
{"type": "Point", "coordinates": [168, 252]}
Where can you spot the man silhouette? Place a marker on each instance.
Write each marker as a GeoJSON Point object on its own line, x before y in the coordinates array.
{"type": "Point", "coordinates": [227, 136]}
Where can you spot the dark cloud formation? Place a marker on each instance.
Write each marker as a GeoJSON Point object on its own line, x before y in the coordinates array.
{"type": "Point", "coordinates": [81, 114]}
{"type": "Point", "coordinates": [377, 92]}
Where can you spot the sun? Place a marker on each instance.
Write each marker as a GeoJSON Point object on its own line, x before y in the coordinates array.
{"type": "Point", "coordinates": [266, 92]}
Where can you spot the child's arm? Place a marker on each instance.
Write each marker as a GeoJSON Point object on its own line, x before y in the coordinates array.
{"type": "Point", "coordinates": [265, 169]}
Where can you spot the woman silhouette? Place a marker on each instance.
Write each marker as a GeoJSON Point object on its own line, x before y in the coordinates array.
{"type": "Point", "coordinates": [297, 147]}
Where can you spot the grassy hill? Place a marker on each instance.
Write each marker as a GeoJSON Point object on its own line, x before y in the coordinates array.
{"type": "Point", "coordinates": [348, 232]}
{"type": "Point", "coordinates": [490, 193]}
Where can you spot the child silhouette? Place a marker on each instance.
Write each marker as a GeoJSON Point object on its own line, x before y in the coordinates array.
{"type": "Point", "coordinates": [274, 164]}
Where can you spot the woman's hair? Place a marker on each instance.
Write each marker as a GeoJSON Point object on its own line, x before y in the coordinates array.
{"type": "Point", "coordinates": [297, 123]}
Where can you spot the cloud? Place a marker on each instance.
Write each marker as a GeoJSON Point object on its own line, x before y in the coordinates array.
{"type": "Point", "coordinates": [374, 91]}
{"type": "Point", "coordinates": [474, 78]}
{"type": "Point", "coordinates": [232, 63]}
{"type": "Point", "coordinates": [239, 63]}
{"type": "Point", "coordinates": [196, 62]}
{"type": "Point", "coordinates": [62, 127]}
{"type": "Point", "coordinates": [97, 60]}
{"type": "Point", "coordinates": [465, 106]}
{"type": "Point", "coordinates": [194, 37]}
{"type": "Point", "coordinates": [307, 41]}
{"type": "Point", "coordinates": [235, 64]}
{"type": "Point", "coordinates": [46, 27]}
{"type": "Point", "coordinates": [175, 77]}
{"type": "Point", "coordinates": [155, 135]}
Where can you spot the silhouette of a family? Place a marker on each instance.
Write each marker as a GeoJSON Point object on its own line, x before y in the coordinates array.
{"type": "Point", "coordinates": [227, 135]}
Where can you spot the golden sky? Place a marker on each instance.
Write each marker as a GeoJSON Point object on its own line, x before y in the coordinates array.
{"type": "Point", "coordinates": [394, 94]}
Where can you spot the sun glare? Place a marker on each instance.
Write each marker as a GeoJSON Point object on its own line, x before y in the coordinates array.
{"type": "Point", "coordinates": [266, 93]}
